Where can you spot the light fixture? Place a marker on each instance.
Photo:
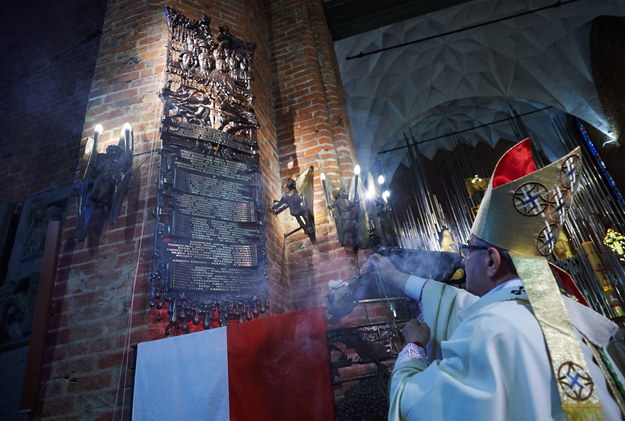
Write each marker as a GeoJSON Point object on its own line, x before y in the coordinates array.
{"type": "Point", "coordinates": [612, 138]}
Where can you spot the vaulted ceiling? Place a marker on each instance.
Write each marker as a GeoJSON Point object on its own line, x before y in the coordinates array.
{"type": "Point", "coordinates": [456, 72]}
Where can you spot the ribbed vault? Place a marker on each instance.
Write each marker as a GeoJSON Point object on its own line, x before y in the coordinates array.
{"type": "Point", "coordinates": [536, 65]}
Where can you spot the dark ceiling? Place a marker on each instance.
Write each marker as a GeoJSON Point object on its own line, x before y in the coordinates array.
{"type": "Point", "coordinates": [351, 17]}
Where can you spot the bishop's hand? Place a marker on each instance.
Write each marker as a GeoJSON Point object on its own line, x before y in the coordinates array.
{"type": "Point", "coordinates": [416, 331]}
{"type": "Point", "coordinates": [385, 269]}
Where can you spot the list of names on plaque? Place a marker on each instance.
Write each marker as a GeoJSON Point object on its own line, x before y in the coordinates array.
{"type": "Point", "coordinates": [206, 134]}
{"type": "Point", "coordinates": [209, 186]}
{"type": "Point", "coordinates": [216, 254]}
{"type": "Point", "coordinates": [194, 275]}
{"type": "Point", "coordinates": [213, 230]}
{"type": "Point", "coordinates": [209, 208]}
{"type": "Point", "coordinates": [209, 229]}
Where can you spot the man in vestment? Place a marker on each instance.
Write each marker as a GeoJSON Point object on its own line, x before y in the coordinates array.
{"type": "Point", "coordinates": [509, 347]}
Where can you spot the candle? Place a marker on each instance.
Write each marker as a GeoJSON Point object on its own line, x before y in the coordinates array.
{"type": "Point", "coordinates": [128, 137]}
{"type": "Point", "coordinates": [356, 174]}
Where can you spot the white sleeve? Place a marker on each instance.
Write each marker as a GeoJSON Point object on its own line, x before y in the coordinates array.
{"type": "Point", "coordinates": [414, 287]}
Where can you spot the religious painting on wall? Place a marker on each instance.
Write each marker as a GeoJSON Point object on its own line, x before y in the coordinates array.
{"type": "Point", "coordinates": [210, 258]}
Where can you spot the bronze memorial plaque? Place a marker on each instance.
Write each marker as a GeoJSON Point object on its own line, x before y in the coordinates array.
{"type": "Point", "coordinates": [209, 254]}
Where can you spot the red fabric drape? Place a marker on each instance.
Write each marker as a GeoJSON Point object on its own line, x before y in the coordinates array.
{"type": "Point", "coordinates": [278, 368]}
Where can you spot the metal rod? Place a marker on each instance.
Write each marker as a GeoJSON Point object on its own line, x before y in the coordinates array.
{"type": "Point", "coordinates": [503, 120]}
{"type": "Point", "coordinates": [466, 28]}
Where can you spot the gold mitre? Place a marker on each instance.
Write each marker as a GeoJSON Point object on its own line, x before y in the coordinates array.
{"type": "Point", "coordinates": [524, 207]}
{"type": "Point", "coordinates": [522, 211]}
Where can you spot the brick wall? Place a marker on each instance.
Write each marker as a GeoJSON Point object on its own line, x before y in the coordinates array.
{"type": "Point", "coordinates": [53, 100]}
{"type": "Point", "coordinates": [100, 301]}
{"type": "Point", "coordinates": [48, 58]}
{"type": "Point", "coordinates": [312, 130]}
{"type": "Point", "coordinates": [100, 304]}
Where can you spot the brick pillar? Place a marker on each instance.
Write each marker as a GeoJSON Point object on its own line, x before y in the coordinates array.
{"type": "Point", "coordinates": [312, 129]}
{"type": "Point", "coordinates": [100, 304]}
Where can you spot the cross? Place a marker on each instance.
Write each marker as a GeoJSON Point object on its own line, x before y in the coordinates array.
{"type": "Point", "coordinates": [574, 381]}
{"type": "Point", "coordinates": [530, 199]}
{"type": "Point", "coordinates": [571, 172]}
{"type": "Point", "coordinates": [558, 198]}
{"type": "Point", "coordinates": [550, 238]}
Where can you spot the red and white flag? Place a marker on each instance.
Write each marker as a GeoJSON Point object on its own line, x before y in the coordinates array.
{"type": "Point", "coordinates": [271, 369]}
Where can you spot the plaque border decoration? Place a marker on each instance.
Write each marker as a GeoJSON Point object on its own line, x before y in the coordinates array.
{"type": "Point", "coordinates": [209, 263]}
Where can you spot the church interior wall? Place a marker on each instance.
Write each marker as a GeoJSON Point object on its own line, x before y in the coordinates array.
{"type": "Point", "coordinates": [312, 131]}
{"type": "Point", "coordinates": [47, 67]}
{"type": "Point", "coordinates": [105, 65]}
{"type": "Point", "coordinates": [100, 300]}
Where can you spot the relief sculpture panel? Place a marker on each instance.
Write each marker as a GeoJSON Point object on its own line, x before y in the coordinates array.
{"type": "Point", "coordinates": [209, 254]}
